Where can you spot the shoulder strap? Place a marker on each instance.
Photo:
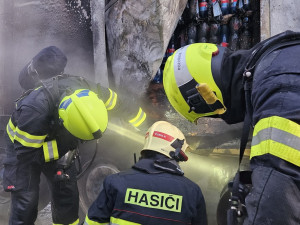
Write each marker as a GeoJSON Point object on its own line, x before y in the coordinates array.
{"type": "Point", "coordinates": [51, 87]}
{"type": "Point", "coordinates": [284, 39]}
{"type": "Point", "coordinates": [24, 94]}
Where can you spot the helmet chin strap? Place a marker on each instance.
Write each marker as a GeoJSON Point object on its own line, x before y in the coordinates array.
{"type": "Point", "coordinates": [178, 154]}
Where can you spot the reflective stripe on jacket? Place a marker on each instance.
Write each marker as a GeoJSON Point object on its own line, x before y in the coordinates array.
{"type": "Point", "coordinates": [148, 196]}
{"type": "Point", "coordinates": [49, 147]}
{"type": "Point", "coordinates": [276, 112]}
{"type": "Point", "coordinates": [279, 137]}
{"type": "Point", "coordinates": [34, 124]}
{"type": "Point", "coordinates": [113, 221]}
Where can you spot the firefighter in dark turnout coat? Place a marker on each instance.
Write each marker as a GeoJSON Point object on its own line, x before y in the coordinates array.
{"type": "Point", "coordinates": [154, 191]}
{"type": "Point", "coordinates": [262, 87]}
{"type": "Point", "coordinates": [47, 126]}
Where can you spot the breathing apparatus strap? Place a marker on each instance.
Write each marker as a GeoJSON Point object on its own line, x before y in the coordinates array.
{"type": "Point", "coordinates": [51, 86]}
{"type": "Point", "coordinates": [235, 211]}
{"type": "Point", "coordinates": [284, 39]}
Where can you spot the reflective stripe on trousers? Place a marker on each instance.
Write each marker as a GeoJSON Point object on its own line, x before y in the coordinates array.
{"type": "Point", "coordinates": [75, 223]}
{"type": "Point", "coordinates": [277, 136]}
{"type": "Point", "coordinates": [113, 221]}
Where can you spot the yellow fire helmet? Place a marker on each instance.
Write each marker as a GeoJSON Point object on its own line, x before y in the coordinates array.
{"type": "Point", "coordinates": [166, 139]}
{"type": "Point", "coordinates": [189, 82]}
{"type": "Point", "coordinates": [83, 114]}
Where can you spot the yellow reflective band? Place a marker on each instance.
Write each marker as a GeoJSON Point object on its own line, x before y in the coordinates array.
{"type": "Point", "coordinates": [87, 221]}
{"type": "Point", "coordinates": [138, 119]}
{"type": "Point", "coordinates": [29, 140]}
{"type": "Point", "coordinates": [156, 200]}
{"type": "Point", "coordinates": [11, 130]}
{"type": "Point", "coordinates": [75, 223]}
{"type": "Point", "coordinates": [111, 102]}
{"type": "Point", "coordinates": [50, 151]}
{"type": "Point", "coordinates": [118, 221]}
{"type": "Point", "coordinates": [37, 88]}
{"type": "Point", "coordinates": [277, 136]}
{"type": "Point", "coordinates": [279, 123]}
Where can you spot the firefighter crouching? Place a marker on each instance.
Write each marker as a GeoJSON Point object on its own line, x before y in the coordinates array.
{"type": "Point", "coordinates": [49, 121]}
{"type": "Point", "coordinates": [154, 190]}
{"type": "Point", "coordinates": [261, 85]}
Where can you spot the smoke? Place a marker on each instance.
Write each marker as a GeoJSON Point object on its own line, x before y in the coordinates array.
{"type": "Point", "coordinates": [28, 27]}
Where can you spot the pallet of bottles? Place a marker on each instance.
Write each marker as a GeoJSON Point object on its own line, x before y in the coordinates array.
{"type": "Point", "coordinates": [228, 23]}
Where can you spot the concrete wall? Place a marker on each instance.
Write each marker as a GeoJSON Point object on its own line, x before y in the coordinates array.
{"type": "Point", "coordinates": [278, 16]}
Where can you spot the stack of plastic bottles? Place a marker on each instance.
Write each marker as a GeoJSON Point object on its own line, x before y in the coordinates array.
{"type": "Point", "coordinates": [224, 22]}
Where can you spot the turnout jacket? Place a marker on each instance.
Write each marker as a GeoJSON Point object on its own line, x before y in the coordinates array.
{"type": "Point", "coordinates": [35, 126]}
{"type": "Point", "coordinates": [273, 102]}
{"type": "Point", "coordinates": [147, 195]}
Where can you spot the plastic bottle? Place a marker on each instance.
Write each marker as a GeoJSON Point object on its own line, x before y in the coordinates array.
{"type": "Point", "coordinates": [217, 12]}
{"type": "Point", "coordinates": [171, 46]}
{"type": "Point", "coordinates": [194, 9]}
{"type": "Point", "coordinates": [158, 78]}
{"type": "Point", "coordinates": [181, 20]}
{"type": "Point", "coordinates": [186, 14]}
{"type": "Point", "coordinates": [224, 35]}
{"type": "Point", "coordinates": [203, 9]}
{"type": "Point", "coordinates": [246, 37]}
{"type": "Point", "coordinates": [225, 7]}
{"type": "Point", "coordinates": [246, 5]}
{"type": "Point", "coordinates": [240, 4]}
{"type": "Point", "coordinates": [182, 38]}
{"type": "Point", "coordinates": [202, 32]}
{"type": "Point", "coordinates": [214, 33]}
{"type": "Point", "coordinates": [234, 28]}
{"type": "Point", "coordinates": [233, 6]}
{"type": "Point", "coordinates": [192, 33]}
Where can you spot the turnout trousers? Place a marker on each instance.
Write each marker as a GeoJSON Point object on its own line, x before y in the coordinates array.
{"type": "Point", "coordinates": [274, 199]}
{"type": "Point", "coordinates": [25, 171]}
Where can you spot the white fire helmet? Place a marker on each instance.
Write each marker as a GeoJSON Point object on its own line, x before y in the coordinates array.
{"type": "Point", "coordinates": [166, 139]}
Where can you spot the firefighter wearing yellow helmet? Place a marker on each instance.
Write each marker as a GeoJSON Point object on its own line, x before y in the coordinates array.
{"type": "Point", "coordinates": [50, 119]}
{"type": "Point", "coordinates": [154, 190]}
{"type": "Point", "coordinates": [189, 66]}
{"type": "Point", "coordinates": [83, 114]}
{"type": "Point", "coordinates": [259, 86]}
